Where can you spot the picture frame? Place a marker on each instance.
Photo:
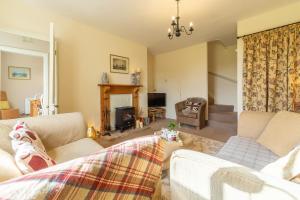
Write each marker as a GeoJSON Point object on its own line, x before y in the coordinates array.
{"type": "Point", "coordinates": [19, 73]}
{"type": "Point", "coordinates": [119, 64]}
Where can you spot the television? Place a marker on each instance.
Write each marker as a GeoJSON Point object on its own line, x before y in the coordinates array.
{"type": "Point", "coordinates": [156, 99]}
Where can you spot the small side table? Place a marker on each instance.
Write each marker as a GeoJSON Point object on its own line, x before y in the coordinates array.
{"type": "Point", "coordinates": [154, 113]}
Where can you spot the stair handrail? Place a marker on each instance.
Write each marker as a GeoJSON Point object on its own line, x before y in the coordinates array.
{"type": "Point", "coordinates": [222, 77]}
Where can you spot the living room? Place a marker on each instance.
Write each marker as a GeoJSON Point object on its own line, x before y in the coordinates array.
{"type": "Point", "coordinates": [209, 107]}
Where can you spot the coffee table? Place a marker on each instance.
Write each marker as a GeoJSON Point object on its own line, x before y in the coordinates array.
{"type": "Point", "coordinates": [185, 141]}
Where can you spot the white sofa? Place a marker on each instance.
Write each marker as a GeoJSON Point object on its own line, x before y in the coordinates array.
{"type": "Point", "coordinates": [63, 135]}
{"type": "Point", "coordinates": [194, 175]}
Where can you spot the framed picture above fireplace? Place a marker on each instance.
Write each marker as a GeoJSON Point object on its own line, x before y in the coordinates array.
{"type": "Point", "coordinates": [119, 64]}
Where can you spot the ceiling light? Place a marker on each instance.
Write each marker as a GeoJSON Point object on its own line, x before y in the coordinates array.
{"type": "Point", "coordinates": [176, 29]}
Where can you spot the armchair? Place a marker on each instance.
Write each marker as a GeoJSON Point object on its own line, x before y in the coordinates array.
{"type": "Point", "coordinates": [196, 119]}
{"type": "Point", "coordinates": [9, 113]}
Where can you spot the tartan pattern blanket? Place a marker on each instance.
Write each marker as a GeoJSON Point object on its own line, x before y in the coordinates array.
{"type": "Point", "coordinates": [129, 170]}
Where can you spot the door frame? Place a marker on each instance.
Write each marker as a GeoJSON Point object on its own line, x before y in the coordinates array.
{"type": "Point", "coordinates": [45, 57]}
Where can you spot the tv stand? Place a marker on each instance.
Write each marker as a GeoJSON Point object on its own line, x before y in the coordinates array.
{"type": "Point", "coordinates": [156, 112]}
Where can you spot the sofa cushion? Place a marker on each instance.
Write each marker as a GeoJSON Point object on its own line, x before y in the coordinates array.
{"type": "Point", "coordinates": [5, 141]}
{"type": "Point", "coordinates": [22, 134]}
{"type": "Point", "coordinates": [55, 130]}
{"type": "Point", "coordinates": [74, 150]}
{"type": "Point", "coordinates": [30, 158]}
{"type": "Point", "coordinates": [286, 167]}
{"type": "Point", "coordinates": [252, 124]}
{"type": "Point", "coordinates": [282, 133]}
{"type": "Point", "coordinates": [247, 152]}
{"type": "Point", "coordinates": [8, 168]}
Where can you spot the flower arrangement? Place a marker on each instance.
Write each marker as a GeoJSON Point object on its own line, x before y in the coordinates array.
{"type": "Point", "coordinates": [170, 134]}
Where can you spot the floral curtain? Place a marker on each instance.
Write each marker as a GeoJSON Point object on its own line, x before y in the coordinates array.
{"type": "Point", "coordinates": [271, 69]}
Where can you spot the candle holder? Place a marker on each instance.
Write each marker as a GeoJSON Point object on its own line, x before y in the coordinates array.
{"type": "Point", "coordinates": [136, 78]}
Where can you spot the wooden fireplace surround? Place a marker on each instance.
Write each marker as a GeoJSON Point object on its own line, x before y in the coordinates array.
{"type": "Point", "coordinates": [105, 91]}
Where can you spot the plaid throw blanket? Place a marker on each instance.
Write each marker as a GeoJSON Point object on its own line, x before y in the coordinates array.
{"type": "Point", "coordinates": [129, 170]}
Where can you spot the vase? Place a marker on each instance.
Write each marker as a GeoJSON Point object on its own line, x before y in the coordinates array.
{"type": "Point", "coordinates": [104, 78]}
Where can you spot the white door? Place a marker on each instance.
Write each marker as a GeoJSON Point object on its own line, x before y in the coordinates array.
{"type": "Point", "coordinates": [53, 87]}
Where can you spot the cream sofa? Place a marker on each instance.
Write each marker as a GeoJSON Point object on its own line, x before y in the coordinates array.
{"type": "Point", "coordinates": [63, 135]}
{"type": "Point", "coordinates": [194, 175]}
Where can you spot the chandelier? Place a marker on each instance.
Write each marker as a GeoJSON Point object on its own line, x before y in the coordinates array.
{"type": "Point", "coordinates": [176, 29]}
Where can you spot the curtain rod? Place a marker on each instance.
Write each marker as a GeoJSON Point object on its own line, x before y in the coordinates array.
{"type": "Point", "coordinates": [268, 30]}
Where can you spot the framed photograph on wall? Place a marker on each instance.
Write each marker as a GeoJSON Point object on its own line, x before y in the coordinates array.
{"type": "Point", "coordinates": [119, 64]}
{"type": "Point", "coordinates": [19, 73]}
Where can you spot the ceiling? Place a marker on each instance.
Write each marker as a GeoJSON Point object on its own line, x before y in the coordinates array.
{"type": "Point", "coordinates": [147, 21]}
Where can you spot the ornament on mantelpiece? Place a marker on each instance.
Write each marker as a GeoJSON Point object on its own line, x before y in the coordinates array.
{"type": "Point", "coordinates": [136, 77]}
{"type": "Point", "coordinates": [133, 79]}
{"type": "Point", "coordinates": [104, 78]}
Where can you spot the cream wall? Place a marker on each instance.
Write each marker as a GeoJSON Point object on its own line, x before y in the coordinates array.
{"type": "Point", "coordinates": [83, 55]}
{"type": "Point", "coordinates": [222, 63]}
{"type": "Point", "coordinates": [18, 90]}
{"type": "Point", "coordinates": [151, 69]}
{"type": "Point", "coordinates": [275, 18]}
{"type": "Point", "coordinates": [182, 74]}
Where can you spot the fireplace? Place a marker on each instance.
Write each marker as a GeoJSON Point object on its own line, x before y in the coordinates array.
{"type": "Point", "coordinates": [125, 118]}
{"type": "Point", "coordinates": [106, 90]}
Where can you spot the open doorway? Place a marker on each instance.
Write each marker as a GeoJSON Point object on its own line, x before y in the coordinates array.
{"type": "Point", "coordinates": [222, 87]}
{"type": "Point", "coordinates": [24, 76]}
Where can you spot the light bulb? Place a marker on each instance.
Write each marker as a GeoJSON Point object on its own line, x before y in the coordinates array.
{"type": "Point", "coordinates": [173, 18]}
{"type": "Point", "coordinates": [169, 30]}
{"type": "Point", "coordinates": [191, 24]}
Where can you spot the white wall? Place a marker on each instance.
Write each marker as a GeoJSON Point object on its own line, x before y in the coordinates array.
{"type": "Point", "coordinates": [222, 63]}
{"type": "Point", "coordinates": [83, 55]}
{"type": "Point", "coordinates": [18, 90]}
{"type": "Point", "coordinates": [182, 74]}
{"type": "Point", "coordinates": [275, 18]}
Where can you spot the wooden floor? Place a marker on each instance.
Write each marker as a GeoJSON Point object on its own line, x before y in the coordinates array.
{"type": "Point", "coordinates": [209, 132]}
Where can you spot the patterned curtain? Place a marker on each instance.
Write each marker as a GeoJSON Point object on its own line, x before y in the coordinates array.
{"type": "Point", "coordinates": [271, 69]}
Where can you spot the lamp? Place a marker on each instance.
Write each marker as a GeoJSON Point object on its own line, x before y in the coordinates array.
{"type": "Point", "coordinates": [176, 29]}
{"type": "Point", "coordinates": [91, 132]}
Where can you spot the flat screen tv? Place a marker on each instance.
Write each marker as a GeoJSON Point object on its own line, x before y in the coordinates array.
{"type": "Point", "coordinates": [156, 99]}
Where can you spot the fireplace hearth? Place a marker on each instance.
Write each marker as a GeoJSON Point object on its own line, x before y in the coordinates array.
{"type": "Point", "coordinates": [125, 118]}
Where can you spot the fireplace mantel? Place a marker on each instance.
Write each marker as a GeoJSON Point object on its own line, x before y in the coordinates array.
{"type": "Point", "coordinates": [105, 91]}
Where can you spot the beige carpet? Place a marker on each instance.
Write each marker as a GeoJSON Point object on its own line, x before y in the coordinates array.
{"type": "Point", "coordinates": [207, 132]}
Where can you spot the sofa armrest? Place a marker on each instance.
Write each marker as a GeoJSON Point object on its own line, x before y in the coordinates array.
{"type": "Point", "coordinates": [252, 124]}
{"type": "Point", "coordinates": [194, 175]}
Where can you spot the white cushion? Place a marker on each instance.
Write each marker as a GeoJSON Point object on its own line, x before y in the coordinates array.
{"type": "Point", "coordinates": [8, 168]}
{"type": "Point", "coordinates": [83, 147]}
{"type": "Point", "coordinates": [285, 167]}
